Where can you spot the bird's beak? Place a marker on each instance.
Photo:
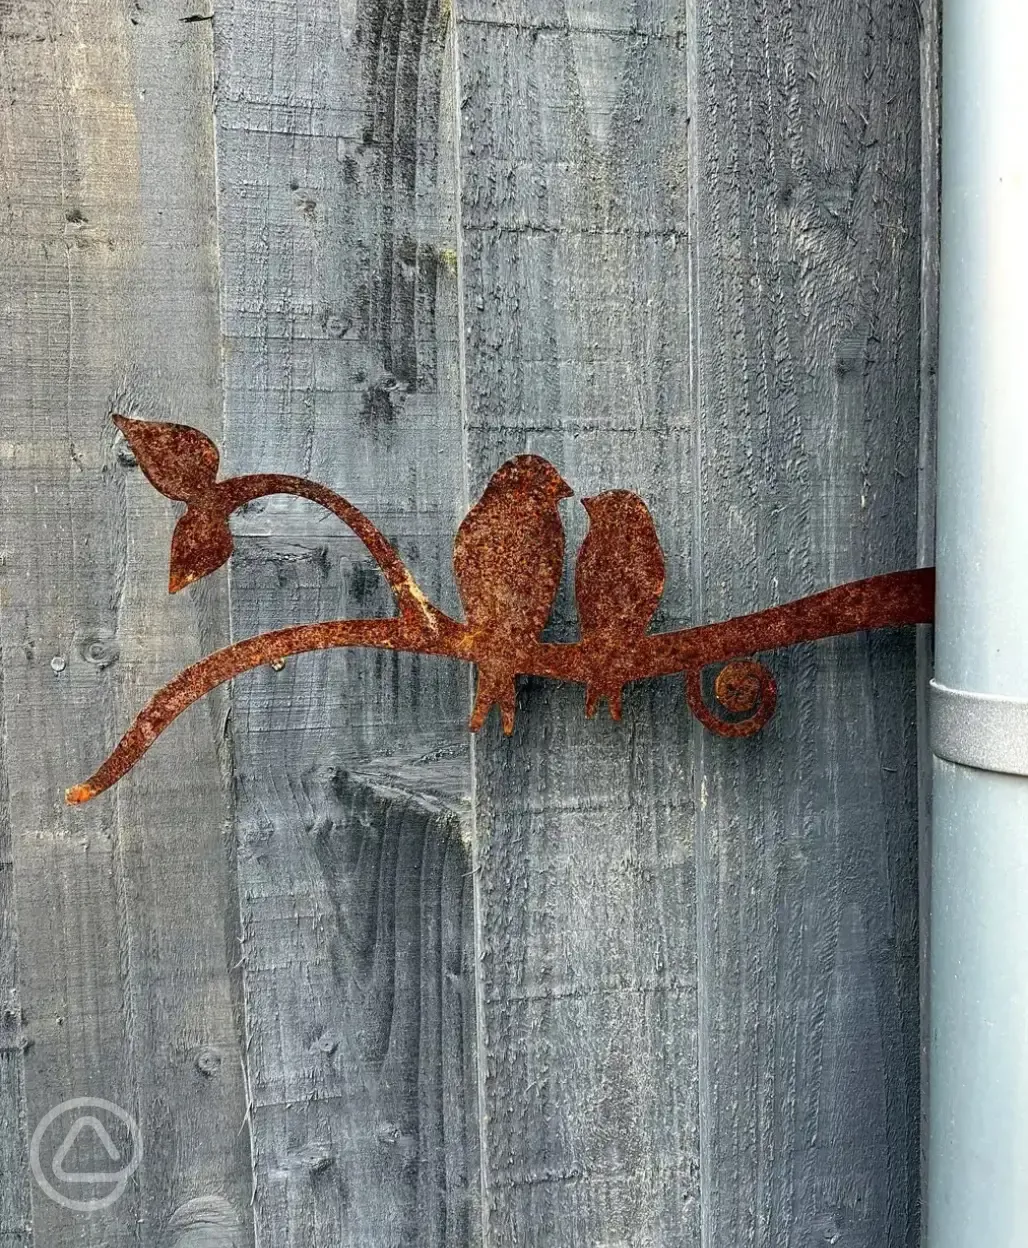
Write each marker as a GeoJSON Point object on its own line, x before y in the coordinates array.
{"type": "Point", "coordinates": [564, 490]}
{"type": "Point", "coordinates": [587, 503]}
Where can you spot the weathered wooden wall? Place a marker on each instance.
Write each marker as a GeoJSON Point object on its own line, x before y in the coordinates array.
{"type": "Point", "coordinates": [361, 980]}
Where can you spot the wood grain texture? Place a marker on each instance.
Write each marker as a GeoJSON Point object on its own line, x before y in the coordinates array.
{"type": "Point", "coordinates": [15, 1209]}
{"type": "Point", "coordinates": [806, 141]}
{"type": "Point", "coordinates": [335, 157]}
{"type": "Point", "coordinates": [362, 1121]}
{"type": "Point", "coordinates": [931, 166]}
{"type": "Point", "coordinates": [123, 910]}
{"type": "Point", "coordinates": [574, 263]}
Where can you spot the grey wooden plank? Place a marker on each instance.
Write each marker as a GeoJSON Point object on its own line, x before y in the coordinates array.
{"type": "Point", "coordinates": [931, 159]}
{"type": "Point", "coordinates": [15, 1207]}
{"type": "Point", "coordinates": [574, 262]}
{"type": "Point", "coordinates": [807, 178]}
{"type": "Point", "coordinates": [579, 17]}
{"type": "Point", "coordinates": [338, 262]}
{"type": "Point", "coordinates": [360, 1117]}
{"type": "Point", "coordinates": [124, 907]}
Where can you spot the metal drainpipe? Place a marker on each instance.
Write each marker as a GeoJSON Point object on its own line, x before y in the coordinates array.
{"type": "Point", "coordinates": [978, 960]}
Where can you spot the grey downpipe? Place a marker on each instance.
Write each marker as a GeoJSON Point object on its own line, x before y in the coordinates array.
{"type": "Point", "coordinates": [978, 960]}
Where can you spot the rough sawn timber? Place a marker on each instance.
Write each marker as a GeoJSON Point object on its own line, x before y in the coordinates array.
{"type": "Point", "coordinates": [122, 916]}
{"type": "Point", "coordinates": [575, 252]}
{"type": "Point", "coordinates": [807, 170]}
{"type": "Point", "coordinates": [338, 257]}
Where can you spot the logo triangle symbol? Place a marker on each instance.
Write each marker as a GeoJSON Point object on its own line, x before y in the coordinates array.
{"type": "Point", "coordinates": [76, 1129]}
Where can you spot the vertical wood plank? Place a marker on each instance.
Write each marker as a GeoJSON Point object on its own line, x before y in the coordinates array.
{"type": "Point", "coordinates": [807, 179]}
{"type": "Point", "coordinates": [123, 908]}
{"type": "Point", "coordinates": [338, 269]}
{"type": "Point", "coordinates": [574, 261]}
{"type": "Point", "coordinates": [15, 1207]}
{"type": "Point", "coordinates": [931, 166]}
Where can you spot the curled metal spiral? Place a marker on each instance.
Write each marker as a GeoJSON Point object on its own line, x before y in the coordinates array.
{"type": "Point", "coordinates": [743, 688]}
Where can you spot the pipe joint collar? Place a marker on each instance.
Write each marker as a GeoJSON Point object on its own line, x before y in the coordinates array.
{"type": "Point", "coordinates": [983, 730]}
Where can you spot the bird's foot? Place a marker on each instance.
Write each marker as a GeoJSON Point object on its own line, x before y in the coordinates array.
{"type": "Point", "coordinates": [494, 690]}
{"type": "Point", "coordinates": [594, 696]}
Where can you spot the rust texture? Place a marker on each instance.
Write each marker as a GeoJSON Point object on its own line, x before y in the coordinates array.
{"type": "Point", "coordinates": [508, 560]}
{"type": "Point", "coordinates": [619, 582]}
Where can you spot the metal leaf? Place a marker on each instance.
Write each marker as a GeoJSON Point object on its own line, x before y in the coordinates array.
{"type": "Point", "coordinates": [201, 543]}
{"type": "Point", "coordinates": [179, 461]}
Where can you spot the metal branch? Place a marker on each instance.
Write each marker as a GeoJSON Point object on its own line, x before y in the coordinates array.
{"type": "Point", "coordinates": [237, 491]}
{"type": "Point", "coordinates": [899, 598]}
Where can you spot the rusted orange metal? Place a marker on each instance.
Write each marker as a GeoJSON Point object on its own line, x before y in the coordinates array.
{"type": "Point", "coordinates": [619, 582]}
{"type": "Point", "coordinates": [508, 559]}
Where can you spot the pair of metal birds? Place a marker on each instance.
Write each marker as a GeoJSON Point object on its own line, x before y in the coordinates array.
{"type": "Point", "coordinates": [508, 561]}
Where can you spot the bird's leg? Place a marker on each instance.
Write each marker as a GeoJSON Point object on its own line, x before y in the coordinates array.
{"type": "Point", "coordinates": [595, 694]}
{"type": "Point", "coordinates": [494, 687]}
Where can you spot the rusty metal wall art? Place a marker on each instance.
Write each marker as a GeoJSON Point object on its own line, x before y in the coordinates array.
{"type": "Point", "coordinates": [508, 559]}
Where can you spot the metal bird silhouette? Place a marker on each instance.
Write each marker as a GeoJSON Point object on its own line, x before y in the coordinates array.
{"type": "Point", "coordinates": [619, 581]}
{"type": "Point", "coordinates": [508, 558]}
